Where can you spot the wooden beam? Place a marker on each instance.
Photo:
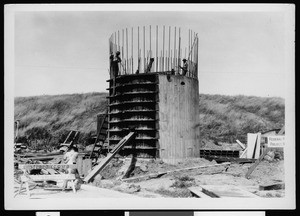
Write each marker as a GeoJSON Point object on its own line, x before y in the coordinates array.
{"type": "Point", "coordinates": [47, 166]}
{"type": "Point", "coordinates": [274, 186]}
{"type": "Point", "coordinates": [251, 169]}
{"type": "Point", "coordinates": [110, 155]}
{"type": "Point", "coordinates": [198, 192]}
{"type": "Point", "coordinates": [155, 175]}
{"type": "Point", "coordinates": [241, 144]}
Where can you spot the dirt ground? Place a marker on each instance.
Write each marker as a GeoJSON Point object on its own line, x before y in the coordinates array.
{"type": "Point", "coordinates": [176, 184]}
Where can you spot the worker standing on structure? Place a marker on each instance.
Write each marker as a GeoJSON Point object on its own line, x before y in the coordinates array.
{"type": "Point", "coordinates": [71, 158]}
{"type": "Point", "coordinates": [184, 67]}
{"type": "Point", "coordinates": [114, 64]}
{"type": "Point", "coordinates": [114, 68]}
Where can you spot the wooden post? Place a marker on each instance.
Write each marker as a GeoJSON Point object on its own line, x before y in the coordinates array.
{"type": "Point", "coordinates": [251, 169]}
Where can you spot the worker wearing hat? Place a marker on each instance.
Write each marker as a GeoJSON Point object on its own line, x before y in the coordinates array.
{"type": "Point", "coordinates": [114, 63]}
{"type": "Point", "coordinates": [184, 67]}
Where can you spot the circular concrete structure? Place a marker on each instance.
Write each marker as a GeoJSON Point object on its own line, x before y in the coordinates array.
{"type": "Point", "coordinates": [156, 96]}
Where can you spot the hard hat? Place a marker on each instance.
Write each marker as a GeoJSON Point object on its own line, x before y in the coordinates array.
{"type": "Point", "coordinates": [184, 59]}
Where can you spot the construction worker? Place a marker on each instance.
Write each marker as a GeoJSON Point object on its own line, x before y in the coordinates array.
{"type": "Point", "coordinates": [184, 67]}
{"type": "Point", "coordinates": [114, 64]}
{"type": "Point", "coordinates": [71, 158]}
{"type": "Point", "coordinates": [149, 65]}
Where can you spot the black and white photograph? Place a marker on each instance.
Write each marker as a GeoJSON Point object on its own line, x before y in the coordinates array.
{"type": "Point", "coordinates": [149, 106]}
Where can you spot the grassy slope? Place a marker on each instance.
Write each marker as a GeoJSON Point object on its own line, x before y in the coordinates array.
{"type": "Point", "coordinates": [224, 118]}
{"type": "Point", "coordinates": [227, 118]}
{"type": "Point", "coordinates": [59, 113]}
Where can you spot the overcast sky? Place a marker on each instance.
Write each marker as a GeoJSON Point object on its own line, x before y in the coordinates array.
{"type": "Point", "coordinates": [241, 52]}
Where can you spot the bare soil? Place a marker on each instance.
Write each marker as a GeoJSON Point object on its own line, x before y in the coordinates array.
{"type": "Point", "coordinates": [176, 184]}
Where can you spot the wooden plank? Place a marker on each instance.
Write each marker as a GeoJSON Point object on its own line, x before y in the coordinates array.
{"type": "Point", "coordinates": [251, 141]}
{"type": "Point", "coordinates": [198, 192]}
{"type": "Point", "coordinates": [226, 191]}
{"type": "Point", "coordinates": [243, 155]}
{"type": "Point", "coordinates": [48, 177]}
{"type": "Point", "coordinates": [251, 169]}
{"type": "Point", "coordinates": [274, 186]}
{"type": "Point", "coordinates": [155, 175]}
{"type": "Point", "coordinates": [241, 144]}
{"type": "Point", "coordinates": [47, 166]}
{"type": "Point", "coordinates": [110, 155]}
{"type": "Point", "coordinates": [86, 166]}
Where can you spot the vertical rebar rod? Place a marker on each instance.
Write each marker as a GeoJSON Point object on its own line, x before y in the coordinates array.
{"type": "Point", "coordinates": [118, 40]}
{"type": "Point", "coordinates": [189, 44]}
{"type": "Point", "coordinates": [126, 50]}
{"type": "Point", "coordinates": [138, 48]}
{"type": "Point", "coordinates": [132, 50]}
{"type": "Point", "coordinates": [156, 48]}
{"type": "Point", "coordinates": [122, 43]}
{"type": "Point", "coordinates": [174, 46]}
{"type": "Point", "coordinates": [169, 48]}
{"type": "Point", "coordinates": [197, 57]}
{"type": "Point", "coordinates": [150, 41]}
{"type": "Point", "coordinates": [163, 62]}
{"type": "Point", "coordinates": [144, 49]}
{"type": "Point", "coordinates": [179, 41]}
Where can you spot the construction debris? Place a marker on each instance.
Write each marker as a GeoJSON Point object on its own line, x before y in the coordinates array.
{"type": "Point", "coordinates": [111, 154]}
{"type": "Point", "coordinates": [157, 175]}
{"type": "Point", "coordinates": [224, 191]}
{"type": "Point", "coordinates": [273, 186]}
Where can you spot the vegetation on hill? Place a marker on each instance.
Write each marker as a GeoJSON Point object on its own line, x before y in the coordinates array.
{"type": "Point", "coordinates": [46, 120]}
{"type": "Point", "coordinates": [227, 118]}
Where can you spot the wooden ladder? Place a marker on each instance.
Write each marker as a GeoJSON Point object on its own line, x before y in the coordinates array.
{"type": "Point", "coordinates": [109, 156]}
{"type": "Point", "coordinates": [102, 126]}
{"type": "Point", "coordinates": [69, 141]}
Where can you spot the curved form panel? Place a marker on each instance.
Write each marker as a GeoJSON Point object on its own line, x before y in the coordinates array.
{"type": "Point", "coordinates": [178, 118]}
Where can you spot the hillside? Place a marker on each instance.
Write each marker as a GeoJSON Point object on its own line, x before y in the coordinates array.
{"type": "Point", "coordinates": [46, 119]}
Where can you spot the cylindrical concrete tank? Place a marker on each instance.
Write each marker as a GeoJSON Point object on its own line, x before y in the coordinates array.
{"type": "Point", "coordinates": [178, 118]}
{"type": "Point", "coordinates": [156, 94]}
